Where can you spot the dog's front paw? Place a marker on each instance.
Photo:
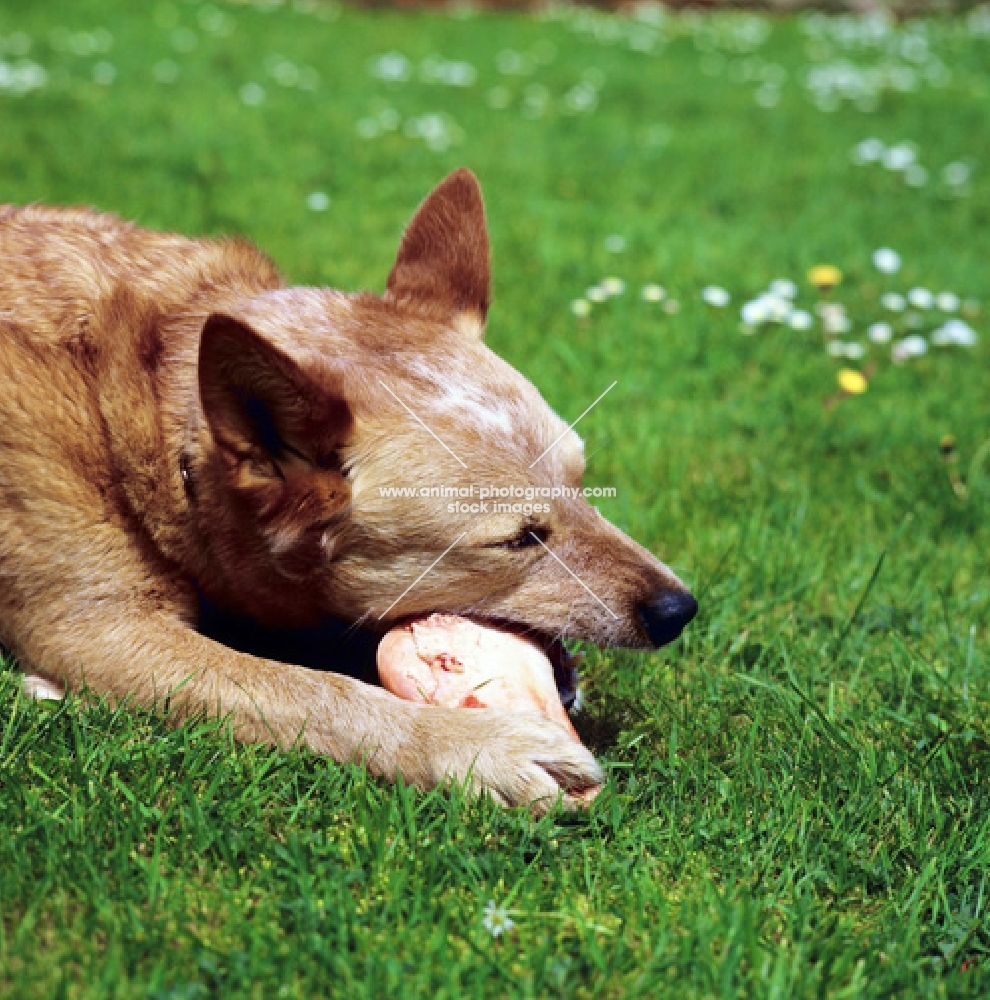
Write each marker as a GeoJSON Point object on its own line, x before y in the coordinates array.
{"type": "Point", "coordinates": [41, 688]}
{"type": "Point", "coordinates": [519, 758]}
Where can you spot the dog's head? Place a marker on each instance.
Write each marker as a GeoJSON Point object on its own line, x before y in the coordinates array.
{"type": "Point", "coordinates": [370, 458]}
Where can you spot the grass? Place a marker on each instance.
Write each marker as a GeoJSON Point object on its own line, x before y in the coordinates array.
{"type": "Point", "coordinates": [799, 792]}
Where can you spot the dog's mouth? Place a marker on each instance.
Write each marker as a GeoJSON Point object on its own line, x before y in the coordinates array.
{"type": "Point", "coordinates": [565, 663]}
{"type": "Point", "coordinates": [565, 673]}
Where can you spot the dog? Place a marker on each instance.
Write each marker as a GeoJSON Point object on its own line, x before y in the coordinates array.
{"type": "Point", "coordinates": [178, 426]}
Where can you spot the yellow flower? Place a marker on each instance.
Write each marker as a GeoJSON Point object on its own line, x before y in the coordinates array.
{"type": "Point", "coordinates": [852, 381]}
{"type": "Point", "coordinates": [824, 276]}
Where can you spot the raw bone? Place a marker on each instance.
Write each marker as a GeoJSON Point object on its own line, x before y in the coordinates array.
{"type": "Point", "coordinates": [453, 661]}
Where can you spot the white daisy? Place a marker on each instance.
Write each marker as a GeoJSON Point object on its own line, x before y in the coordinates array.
{"type": "Point", "coordinates": [778, 308]}
{"type": "Point", "coordinates": [956, 174]}
{"type": "Point", "coordinates": [581, 98]}
{"type": "Point", "coordinates": [767, 96]}
{"type": "Point", "coordinates": [784, 288]}
{"type": "Point", "coordinates": [104, 73]}
{"type": "Point", "coordinates": [868, 151]}
{"type": "Point", "coordinates": [893, 301]}
{"type": "Point", "coordinates": [368, 128]}
{"type": "Point", "coordinates": [899, 157]}
{"type": "Point", "coordinates": [458, 74]}
{"type": "Point", "coordinates": [715, 296]}
{"type": "Point", "coordinates": [886, 260]}
{"type": "Point", "coordinates": [910, 347]}
{"type": "Point", "coordinates": [921, 298]}
{"type": "Point", "coordinates": [252, 94]}
{"type": "Point", "coordinates": [800, 319]}
{"type": "Point", "coordinates": [183, 40]}
{"type": "Point", "coordinates": [581, 308]}
{"type": "Point", "coordinates": [613, 286]}
{"type": "Point", "coordinates": [393, 67]}
{"type": "Point", "coordinates": [653, 293]}
{"type": "Point", "coordinates": [596, 294]}
{"type": "Point", "coordinates": [754, 312]}
{"type": "Point", "coordinates": [318, 201]}
{"type": "Point", "coordinates": [512, 63]}
{"type": "Point", "coordinates": [954, 333]}
{"type": "Point", "coordinates": [834, 318]}
{"type": "Point", "coordinates": [880, 333]}
{"type": "Point", "coordinates": [947, 301]}
{"type": "Point", "coordinates": [496, 920]}
{"type": "Point", "coordinates": [846, 349]}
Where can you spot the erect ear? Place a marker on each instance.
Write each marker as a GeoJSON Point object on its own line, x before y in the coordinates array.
{"type": "Point", "coordinates": [443, 267]}
{"type": "Point", "coordinates": [266, 411]}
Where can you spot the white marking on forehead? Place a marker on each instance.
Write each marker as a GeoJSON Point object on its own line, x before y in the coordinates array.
{"type": "Point", "coordinates": [478, 408]}
{"type": "Point", "coordinates": [460, 390]}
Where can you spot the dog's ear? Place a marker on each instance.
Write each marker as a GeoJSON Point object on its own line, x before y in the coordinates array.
{"type": "Point", "coordinates": [442, 267]}
{"type": "Point", "coordinates": [266, 410]}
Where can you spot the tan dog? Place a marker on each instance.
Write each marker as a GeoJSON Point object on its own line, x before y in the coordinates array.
{"type": "Point", "coordinates": [174, 422]}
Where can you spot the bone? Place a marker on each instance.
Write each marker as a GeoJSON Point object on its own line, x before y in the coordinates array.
{"type": "Point", "coordinates": [452, 661]}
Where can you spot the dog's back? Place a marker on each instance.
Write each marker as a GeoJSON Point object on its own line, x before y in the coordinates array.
{"type": "Point", "coordinates": [58, 264]}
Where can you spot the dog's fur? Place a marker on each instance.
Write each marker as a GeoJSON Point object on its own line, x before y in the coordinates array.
{"type": "Point", "coordinates": [176, 424]}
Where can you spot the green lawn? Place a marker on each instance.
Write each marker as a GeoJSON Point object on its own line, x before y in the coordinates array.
{"type": "Point", "coordinates": [799, 793]}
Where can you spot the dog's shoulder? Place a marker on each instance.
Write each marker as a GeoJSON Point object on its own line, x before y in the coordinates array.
{"type": "Point", "coordinates": [63, 265]}
{"type": "Point", "coordinates": [36, 215]}
{"type": "Point", "coordinates": [77, 235]}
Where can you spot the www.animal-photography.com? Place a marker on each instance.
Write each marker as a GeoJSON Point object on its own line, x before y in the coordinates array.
{"type": "Point", "coordinates": [494, 499]}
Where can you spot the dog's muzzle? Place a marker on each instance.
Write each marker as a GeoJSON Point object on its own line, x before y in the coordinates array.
{"type": "Point", "coordinates": [664, 617]}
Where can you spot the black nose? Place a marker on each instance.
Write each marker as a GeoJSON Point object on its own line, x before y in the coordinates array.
{"type": "Point", "coordinates": [665, 617]}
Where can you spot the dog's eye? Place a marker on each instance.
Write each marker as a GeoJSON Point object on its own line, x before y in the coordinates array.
{"type": "Point", "coordinates": [530, 535]}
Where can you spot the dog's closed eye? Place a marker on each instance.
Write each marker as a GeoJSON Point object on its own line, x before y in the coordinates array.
{"type": "Point", "coordinates": [530, 535]}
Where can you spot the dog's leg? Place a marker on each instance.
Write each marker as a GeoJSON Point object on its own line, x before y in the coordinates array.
{"type": "Point", "coordinates": [125, 650]}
